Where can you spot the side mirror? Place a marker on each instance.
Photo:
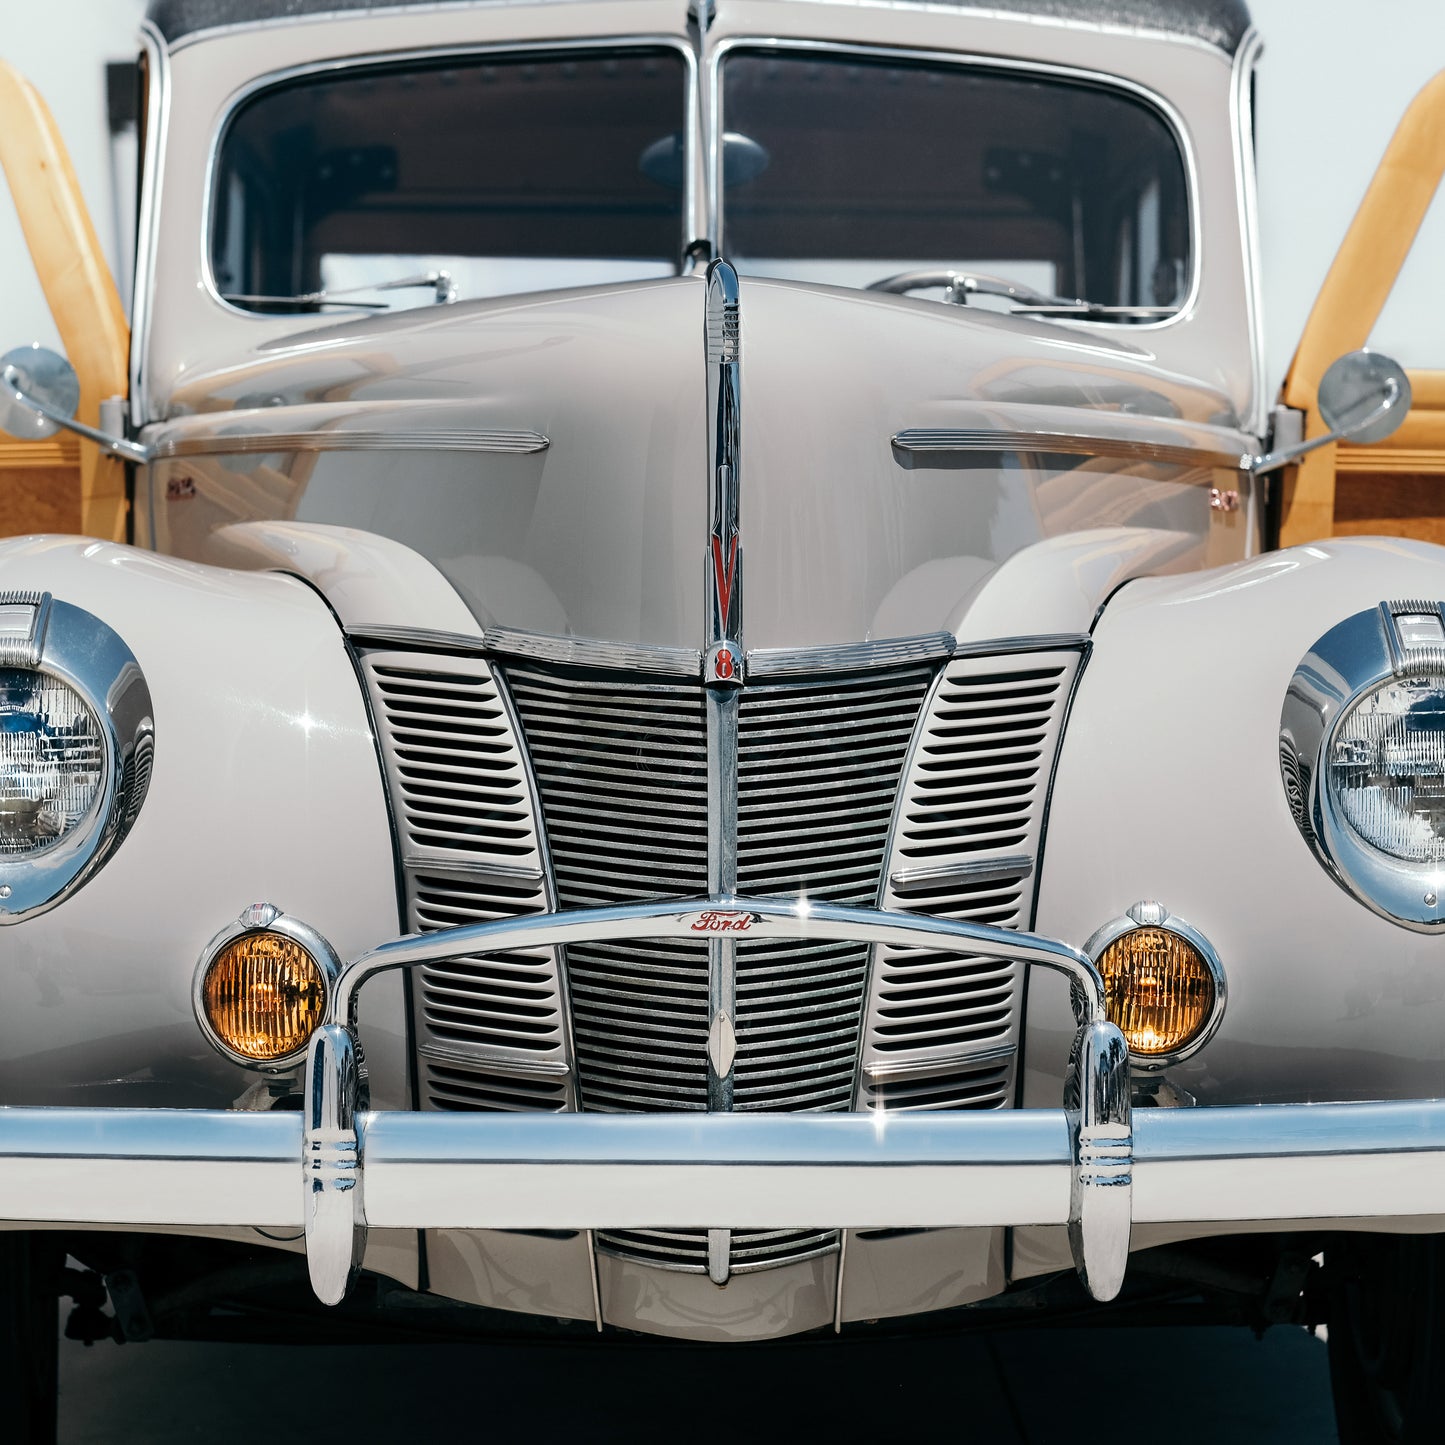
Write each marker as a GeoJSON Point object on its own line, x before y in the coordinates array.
{"type": "Point", "coordinates": [1363, 397]}
{"type": "Point", "coordinates": [39, 392]}
{"type": "Point", "coordinates": [39, 388]}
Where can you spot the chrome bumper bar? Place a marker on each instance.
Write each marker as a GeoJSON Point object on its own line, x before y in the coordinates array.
{"type": "Point", "coordinates": [1087, 1166]}
{"type": "Point", "coordinates": [156, 1167]}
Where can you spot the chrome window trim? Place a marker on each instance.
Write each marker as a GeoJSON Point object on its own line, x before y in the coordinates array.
{"type": "Point", "coordinates": [1353, 658]}
{"type": "Point", "coordinates": [449, 439]}
{"type": "Point", "coordinates": [1241, 119]}
{"type": "Point", "coordinates": [263, 918]}
{"type": "Point", "coordinates": [1141, 916]}
{"type": "Point", "coordinates": [317, 17]}
{"type": "Point", "coordinates": [1019, 17]}
{"type": "Point", "coordinates": [158, 109]}
{"type": "Point", "coordinates": [1098, 79]}
{"type": "Point", "coordinates": [391, 59]}
{"type": "Point", "coordinates": [76, 647]}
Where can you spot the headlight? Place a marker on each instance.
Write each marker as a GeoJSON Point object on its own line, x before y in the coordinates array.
{"type": "Point", "coordinates": [52, 762]}
{"type": "Point", "coordinates": [76, 744]}
{"type": "Point", "coordinates": [262, 987]}
{"type": "Point", "coordinates": [1386, 768]}
{"type": "Point", "coordinates": [1362, 755]}
{"type": "Point", "coordinates": [1163, 984]}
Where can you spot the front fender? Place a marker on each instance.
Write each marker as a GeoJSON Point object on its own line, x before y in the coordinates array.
{"type": "Point", "coordinates": [266, 786]}
{"type": "Point", "coordinates": [1168, 788]}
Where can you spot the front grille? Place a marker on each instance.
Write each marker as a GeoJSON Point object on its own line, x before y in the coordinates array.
{"type": "Point", "coordinates": [621, 766]}
{"type": "Point", "coordinates": [914, 786]}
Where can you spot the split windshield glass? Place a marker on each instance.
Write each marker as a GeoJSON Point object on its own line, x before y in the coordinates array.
{"type": "Point", "coordinates": [847, 170]}
{"type": "Point", "coordinates": [509, 173]}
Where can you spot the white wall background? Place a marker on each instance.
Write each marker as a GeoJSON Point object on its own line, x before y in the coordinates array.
{"type": "Point", "coordinates": [1335, 76]}
{"type": "Point", "coordinates": [62, 47]}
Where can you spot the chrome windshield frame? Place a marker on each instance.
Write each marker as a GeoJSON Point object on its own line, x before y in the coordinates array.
{"type": "Point", "coordinates": [693, 219]}
{"type": "Point", "coordinates": [714, 121]}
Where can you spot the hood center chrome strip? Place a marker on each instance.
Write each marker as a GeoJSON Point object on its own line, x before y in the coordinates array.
{"type": "Point", "coordinates": [722, 676]}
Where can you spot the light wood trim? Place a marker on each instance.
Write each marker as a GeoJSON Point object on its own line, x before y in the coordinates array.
{"type": "Point", "coordinates": [73, 274]}
{"type": "Point", "coordinates": [1355, 291]}
{"type": "Point", "coordinates": [1371, 461]}
{"type": "Point", "coordinates": [25, 456]}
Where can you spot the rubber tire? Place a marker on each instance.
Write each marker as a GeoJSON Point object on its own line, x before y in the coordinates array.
{"type": "Point", "coordinates": [30, 1267]}
{"type": "Point", "coordinates": [1387, 1338]}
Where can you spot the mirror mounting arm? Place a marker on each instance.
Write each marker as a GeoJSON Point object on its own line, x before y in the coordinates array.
{"type": "Point", "coordinates": [117, 446]}
{"type": "Point", "coordinates": [1273, 461]}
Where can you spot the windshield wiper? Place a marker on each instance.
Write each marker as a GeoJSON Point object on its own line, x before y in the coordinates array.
{"type": "Point", "coordinates": [960, 285]}
{"type": "Point", "coordinates": [441, 282]}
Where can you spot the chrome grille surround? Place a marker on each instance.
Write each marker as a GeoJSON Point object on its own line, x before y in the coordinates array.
{"type": "Point", "coordinates": [907, 785]}
{"type": "Point", "coordinates": [491, 1033]}
{"type": "Point", "coordinates": [942, 1028]}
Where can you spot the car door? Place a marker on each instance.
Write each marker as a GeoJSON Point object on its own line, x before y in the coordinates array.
{"type": "Point", "coordinates": [1397, 487]}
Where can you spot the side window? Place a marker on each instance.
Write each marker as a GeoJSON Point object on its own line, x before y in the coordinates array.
{"type": "Point", "coordinates": [512, 173]}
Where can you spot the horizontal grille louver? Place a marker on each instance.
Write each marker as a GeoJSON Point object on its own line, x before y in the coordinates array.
{"type": "Point", "coordinates": [965, 847]}
{"type": "Point", "coordinates": [492, 1031]}
{"type": "Point", "coordinates": [686, 1249]}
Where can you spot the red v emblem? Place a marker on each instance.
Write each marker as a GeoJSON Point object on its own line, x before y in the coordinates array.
{"type": "Point", "coordinates": [724, 579]}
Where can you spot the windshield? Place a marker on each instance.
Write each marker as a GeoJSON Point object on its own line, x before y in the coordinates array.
{"type": "Point", "coordinates": [506, 173]}
{"type": "Point", "coordinates": [850, 170]}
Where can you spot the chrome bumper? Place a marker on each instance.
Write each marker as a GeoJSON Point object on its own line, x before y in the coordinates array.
{"type": "Point", "coordinates": [335, 1169]}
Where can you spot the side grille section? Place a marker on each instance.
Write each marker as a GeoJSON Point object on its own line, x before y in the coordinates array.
{"type": "Point", "coordinates": [942, 1028]}
{"type": "Point", "coordinates": [491, 1032]}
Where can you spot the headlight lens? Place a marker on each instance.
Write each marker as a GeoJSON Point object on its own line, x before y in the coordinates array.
{"type": "Point", "coordinates": [1386, 768]}
{"type": "Point", "coordinates": [1159, 990]}
{"type": "Point", "coordinates": [52, 761]}
{"type": "Point", "coordinates": [1164, 986]}
{"type": "Point", "coordinates": [263, 996]}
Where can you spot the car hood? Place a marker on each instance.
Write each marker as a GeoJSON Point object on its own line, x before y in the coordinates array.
{"type": "Point", "coordinates": [846, 534]}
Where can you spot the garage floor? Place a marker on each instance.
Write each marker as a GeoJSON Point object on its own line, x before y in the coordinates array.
{"type": "Point", "coordinates": [1196, 1386]}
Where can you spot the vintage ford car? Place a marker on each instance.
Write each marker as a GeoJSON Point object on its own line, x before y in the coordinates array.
{"type": "Point", "coordinates": [684, 715]}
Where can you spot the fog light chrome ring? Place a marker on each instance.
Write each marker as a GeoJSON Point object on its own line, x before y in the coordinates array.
{"type": "Point", "coordinates": [1154, 916]}
{"type": "Point", "coordinates": [258, 920]}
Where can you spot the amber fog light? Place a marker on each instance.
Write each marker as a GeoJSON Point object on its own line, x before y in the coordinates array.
{"type": "Point", "coordinates": [262, 988]}
{"type": "Point", "coordinates": [1163, 984]}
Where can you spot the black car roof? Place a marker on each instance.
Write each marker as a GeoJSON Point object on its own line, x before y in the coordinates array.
{"type": "Point", "coordinates": [1216, 22]}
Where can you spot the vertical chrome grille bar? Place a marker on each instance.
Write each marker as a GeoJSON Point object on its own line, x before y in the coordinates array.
{"type": "Point", "coordinates": [722, 676]}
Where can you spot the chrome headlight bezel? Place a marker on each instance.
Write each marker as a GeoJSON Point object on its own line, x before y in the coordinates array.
{"type": "Point", "coordinates": [74, 647]}
{"type": "Point", "coordinates": [1353, 659]}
